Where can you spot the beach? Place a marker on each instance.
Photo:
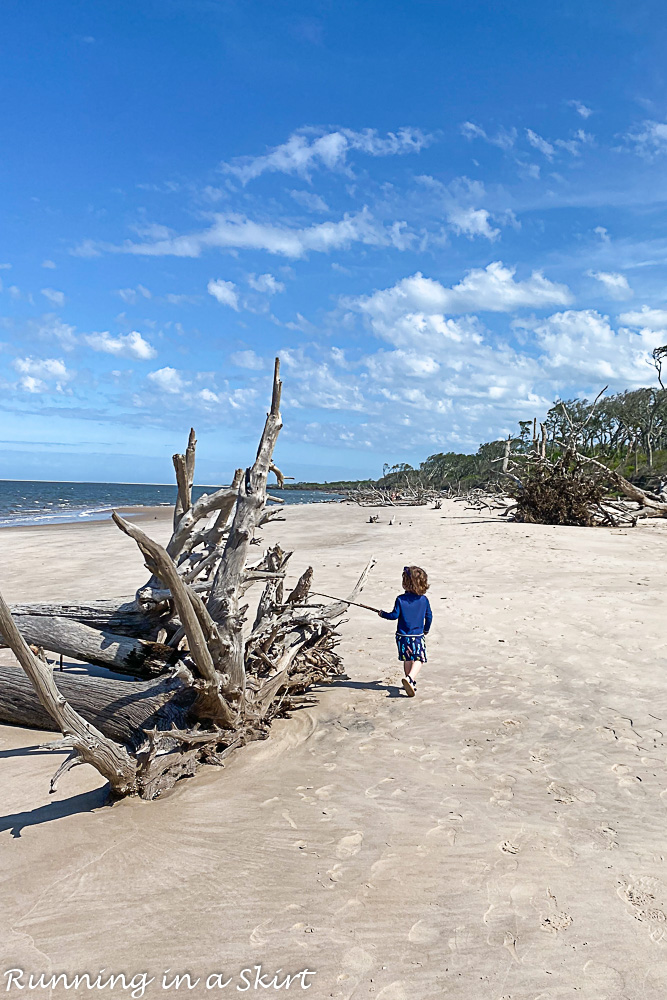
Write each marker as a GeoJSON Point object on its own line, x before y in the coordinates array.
{"type": "Point", "coordinates": [501, 835]}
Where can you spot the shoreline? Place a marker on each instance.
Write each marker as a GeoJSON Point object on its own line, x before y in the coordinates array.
{"type": "Point", "coordinates": [139, 513]}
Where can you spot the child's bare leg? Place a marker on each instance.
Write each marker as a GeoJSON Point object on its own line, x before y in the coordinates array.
{"type": "Point", "coordinates": [415, 667]}
{"type": "Point", "coordinates": [407, 666]}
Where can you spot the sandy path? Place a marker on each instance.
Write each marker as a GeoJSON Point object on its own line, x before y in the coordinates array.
{"type": "Point", "coordinates": [502, 835]}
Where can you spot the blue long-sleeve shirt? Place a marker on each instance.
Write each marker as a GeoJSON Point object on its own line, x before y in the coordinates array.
{"type": "Point", "coordinates": [413, 612]}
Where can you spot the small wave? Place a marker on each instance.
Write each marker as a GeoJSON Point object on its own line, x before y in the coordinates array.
{"type": "Point", "coordinates": [51, 517]}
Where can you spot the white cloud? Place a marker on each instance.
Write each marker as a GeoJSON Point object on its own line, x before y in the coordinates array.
{"type": "Point", "coordinates": [179, 391]}
{"type": "Point", "coordinates": [5, 267]}
{"type": "Point", "coordinates": [176, 299]}
{"type": "Point", "coordinates": [549, 147]}
{"type": "Point", "coordinates": [239, 232]}
{"type": "Point", "coordinates": [471, 222]}
{"type": "Point", "coordinates": [31, 384]}
{"type": "Point", "coordinates": [247, 359]}
{"type": "Point", "coordinates": [581, 109]}
{"type": "Point", "coordinates": [503, 139]}
{"type": "Point", "coordinates": [540, 144]}
{"type": "Point", "coordinates": [603, 233]}
{"type": "Point", "coordinates": [225, 292]}
{"type": "Point", "coordinates": [208, 397]}
{"type": "Point", "coordinates": [450, 380]}
{"type": "Point", "coordinates": [648, 139]}
{"type": "Point", "coordinates": [168, 380]}
{"type": "Point", "coordinates": [56, 298]}
{"type": "Point", "coordinates": [646, 318]}
{"type": "Point", "coordinates": [310, 201]}
{"type": "Point", "coordinates": [87, 248]}
{"type": "Point", "coordinates": [132, 295]}
{"type": "Point", "coordinates": [48, 264]}
{"type": "Point", "coordinates": [483, 289]}
{"type": "Point", "coordinates": [616, 284]}
{"type": "Point", "coordinates": [583, 343]}
{"type": "Point", "coordinates": [52, 327]}
{"type": "Point", "coordinates": [41, 375]}
{"type": "Point", "coordinates": [458, 199]}
{"type": "Point", "coordinates": [127, 345]}
{"type": "Point", "coordinates": [265, 283]}
{"type": "Point", "coordinates": [307, 150]}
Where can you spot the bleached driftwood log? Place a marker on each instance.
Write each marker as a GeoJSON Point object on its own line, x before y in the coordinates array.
{"type": "Point", "coordinates": [122, 653]}
{"type": "Point", "coordinates": [224, 680]}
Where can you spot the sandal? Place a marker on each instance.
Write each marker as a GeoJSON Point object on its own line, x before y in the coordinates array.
{"type": "Point", "coordinates": [410, 686]}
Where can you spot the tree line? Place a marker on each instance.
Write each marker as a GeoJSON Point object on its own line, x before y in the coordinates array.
{"type": "Point", "coordinates": [627, 431]}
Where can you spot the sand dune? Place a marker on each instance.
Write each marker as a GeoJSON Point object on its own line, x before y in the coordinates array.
{"type": "Point", "coordinates": [502, 835]}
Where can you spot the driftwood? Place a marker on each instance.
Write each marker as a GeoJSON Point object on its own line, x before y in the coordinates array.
{"type": "Point", "coordinates": [224, 680]}
{"type": "Point", "coordinates": [121, 616]}
{"type": "Point", "coordinates": [570, 488]}
{"type": "Point", "coordinates": [120, 710]}
{"type": "Point", "coordinates": [121, 653]}
{"type": "Point", "coordinates": [406, 495]}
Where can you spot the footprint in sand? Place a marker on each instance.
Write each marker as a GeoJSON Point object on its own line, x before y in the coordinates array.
{"type": "Point", "coordinates": [562, 852]}
{"type": "Point", "coordinates": [605, 981]}
{"type": "Point", "coordinates": [350, 845]}
{"type": "Point", "coordinates": [628, 781]}
{"type": "Point", "coordinates": [554, 922]}
{"type": "Point", "coordinates": [440, 834]}
{"type": "Point", "coordinates": [503, 791]}
{"type": "Point", "coordinates": [566, 796]}
{"type": "Point", "coordinates": [386, 868]}
{"type": "Point", "coordinates": [646, 899]}
{"type": "Point", "coordinates": [374, 791]}
{"type": "Point", "coordinates": [603, 838]}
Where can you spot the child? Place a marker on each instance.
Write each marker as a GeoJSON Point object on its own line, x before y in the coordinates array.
{"type": "Point", "coordinates": [414, 620]}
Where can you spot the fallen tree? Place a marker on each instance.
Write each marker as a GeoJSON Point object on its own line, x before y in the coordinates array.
{"type": "Point", "coordinates": [568, 488]}
{"type": "Point", "coordinates": [222, 680]}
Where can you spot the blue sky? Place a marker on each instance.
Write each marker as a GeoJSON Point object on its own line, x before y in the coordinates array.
{"type": "Point", "coordinates": [442, 215]}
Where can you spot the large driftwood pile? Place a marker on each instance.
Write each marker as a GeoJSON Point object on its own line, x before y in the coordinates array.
{"type": "Point", "coordinates": [407, 495]}
{"type": "Point", "coordinates": [207, 681]}
{"type": "Point", "coordinates": [570, 488]}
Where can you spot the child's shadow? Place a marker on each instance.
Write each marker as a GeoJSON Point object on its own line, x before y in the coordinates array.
{"type": "Point", "coordinates": [393, 691]}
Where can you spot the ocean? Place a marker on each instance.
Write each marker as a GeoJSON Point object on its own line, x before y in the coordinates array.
{"type": "Point", "coordinates": [24, 502]}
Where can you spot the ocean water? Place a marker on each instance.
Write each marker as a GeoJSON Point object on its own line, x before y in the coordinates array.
{"type": "Point", "coordinates": [23, 502]}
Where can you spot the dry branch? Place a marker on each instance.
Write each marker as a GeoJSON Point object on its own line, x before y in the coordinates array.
{"type": "Point", "coordinates": [110, 758]}
{"type": "Point", "coordinates": [223, 683]}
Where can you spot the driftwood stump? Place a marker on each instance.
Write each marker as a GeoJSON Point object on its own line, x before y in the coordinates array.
{"type": "Point", "coordinates": [211, 682]}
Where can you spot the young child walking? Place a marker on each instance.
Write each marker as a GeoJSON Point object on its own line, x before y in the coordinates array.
{"type": "Point", "coordinates": [413, 611]}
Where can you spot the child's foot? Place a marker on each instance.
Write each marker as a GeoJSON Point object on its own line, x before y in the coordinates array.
{"type": "Point", "coordinates": [410, 686]}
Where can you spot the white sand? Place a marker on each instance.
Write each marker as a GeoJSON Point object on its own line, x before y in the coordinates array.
{"type": "Point", "coordinates": [502, 835]}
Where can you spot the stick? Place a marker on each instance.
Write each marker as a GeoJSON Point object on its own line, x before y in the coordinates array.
{"type": "Point", "coordinates": [343, 601]}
